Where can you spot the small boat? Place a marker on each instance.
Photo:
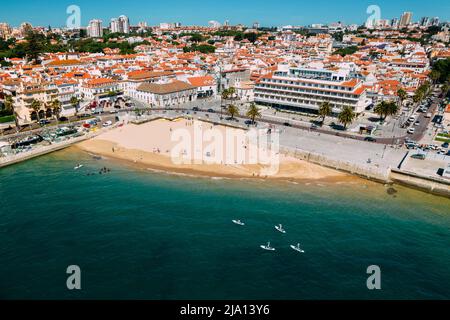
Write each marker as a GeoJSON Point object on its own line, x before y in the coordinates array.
{"type": "Point", "coordinates": [280, 228]}
{"type": "Point", "coordinates": [297, 248]}
{"type": "Point", "coordinates": [238, 222]}
{"type": "Point", "coordinates": [78, 167]}
{"type": "Point", "coordinates": [268, 247]}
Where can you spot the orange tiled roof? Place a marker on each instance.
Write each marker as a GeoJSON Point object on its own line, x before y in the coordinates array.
{"type": "Point", "coordinates": [69, 62]}
{"type": "Point", "coordinates": [201, 81]}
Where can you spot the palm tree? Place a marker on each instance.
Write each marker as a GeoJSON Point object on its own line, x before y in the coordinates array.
{"type": "Point", "coordinates": [56, 106]}
{"type": "Point", "coordinates": [391, 108]}
{"type": "Point", "coordinates": [435, 76]}
{"type": "Point", "coordinates": [386, 108]}
{"type": "Point", "coordinates": [36, 106]}
{"type": "Point", "coordinates": [232, 111]}
{"type": "Point", "coordinates": [445, 88]}
{"type": "Point", "coordinates": [225, 94]}
{"type": "Point", "coordinates": [75, 103]}
{"type": "Point", "coordinates": [231, 92]}
{"type": "Point", "coordinates": [325, 110]}
{"type": "Point", "coordinates": [401, 93]}
{"type": "Point", "coordinates": [418, 96]}
{"type": "Point", "coordinates": [9, 105]}
{"type": "Point", "coordinates": [381, 110]}
{"type": "Point", "coordinates": [346, 116]}
{"type": "Point", "coordinates": [253, 112]}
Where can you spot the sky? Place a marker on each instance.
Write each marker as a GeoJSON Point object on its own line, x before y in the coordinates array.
{"type": "Point", "coordinates": [199, 12]}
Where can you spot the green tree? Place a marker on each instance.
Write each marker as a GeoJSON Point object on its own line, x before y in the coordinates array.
{"type": "Point", "coordinates": [445, 89]}
{"type": "Point", "coordinates": [401, 93]}
{"type": "Point", "coordinates": [253, 112]}
{"type": "Point", "coordinates": [34, 46]}
{"type": "Point", "coordinates": [346, 116]}
{"type": "Point", "coordinates": [75, 103]}
{"type": "Point", "coordinates": [391, 108]}
{"type": "Point", "coordinates": [239, 37]}
{"type": "Point", "coordinates": [112, 93]}
{"type": "Point", "coordinates": [232, 110]}
{"type": "Point", "coordinates": [36, 106]}
{"type": "Point", "coordinates": [225, 94]}
{"type": "Point", "coordinates": [56, 106]}
{"type": "Point", "coordinates": [381, 109]}
{"type": "Point", "coordinates": [418, 96]}
{"type": "Point", "coordinates": [325, 110]}
{"type": "Point", "coordinates": [435, 76]}
{"type": "Point", "coordinates": [196, 37]}
{"type": "Point", "coordinates": [386, 108]}
{"type": "Point", "coordinates": [4, 63]}
{"type": "Point", "coordinates": [231, 92]}
{"type": "Point", "coordinates": [443, 68]}
{"type": "Point", "coordinates": [9, 105]}
{"type": "Point", "coordinates": [252, 37]}
{"type": "Point", "coordinates": [346, 51]}
{"type": "Point", "coordinates": [203, 48]}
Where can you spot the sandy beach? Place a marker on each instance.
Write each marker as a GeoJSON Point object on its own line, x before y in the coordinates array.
{"type": "Point", "coordinates": [155, 145]}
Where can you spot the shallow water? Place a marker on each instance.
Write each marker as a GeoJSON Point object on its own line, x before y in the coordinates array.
{"type": "Point", "coordinates": [138, 234]}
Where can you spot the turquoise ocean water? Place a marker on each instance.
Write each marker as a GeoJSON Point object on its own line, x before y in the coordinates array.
{"type": "Point", "coordinates": [138, 234]}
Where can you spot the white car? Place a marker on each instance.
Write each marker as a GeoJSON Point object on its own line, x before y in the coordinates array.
{"type": "Point", "coordinates": [107, 124]}
{"type": "Point", "coordinates": [411, 130]}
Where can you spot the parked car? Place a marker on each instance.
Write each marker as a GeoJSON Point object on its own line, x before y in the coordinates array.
{"type": "Point", "coordinates": [419, 156]}
{"type": "Point", "coordinates": [43, 122]}
{"type": "Point", "coordinates": [411, 130]}
{"type": "Point", "coordinates": [417, 123]}
{"type": "Point", "coordinates": [287, 124]}
{"type": "Point", "coordinates": [107, 124]}
{"type": "Point", "coordinates": [63, 119]}
{"type": "Point", "coordinates": [195, 109]}
{"type": "Point", "coordinates": [445, 145]}
{"type": "Point", "coordinates": [370, 139]}
{"type": "Point", "coordinates": [211, 111]}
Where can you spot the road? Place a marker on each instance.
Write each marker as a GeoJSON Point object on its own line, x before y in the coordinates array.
{"type": "Point", "coordinates": [215, 104]}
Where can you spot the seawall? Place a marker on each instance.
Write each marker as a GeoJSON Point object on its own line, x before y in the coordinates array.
{"type": "Point", "coordinates": [436, 186]}
{"type": "Point", "coordinates": [370, 172]}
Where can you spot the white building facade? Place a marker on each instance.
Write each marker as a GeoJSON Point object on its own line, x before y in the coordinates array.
{"type": "Point", "coordinates": [305, 90]}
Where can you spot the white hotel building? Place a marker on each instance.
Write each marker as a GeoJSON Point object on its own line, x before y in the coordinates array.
{"type": "Point", "coordinates": [304, 90]}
